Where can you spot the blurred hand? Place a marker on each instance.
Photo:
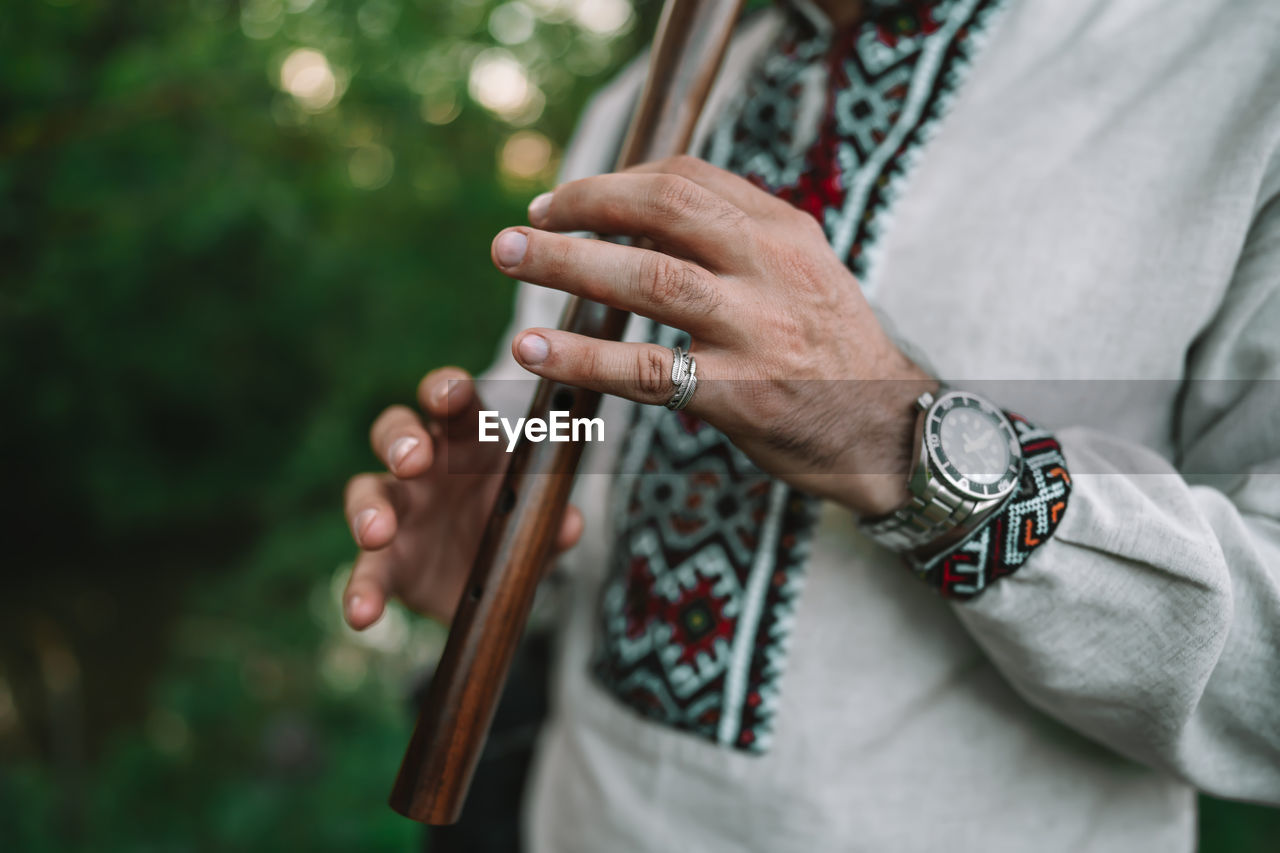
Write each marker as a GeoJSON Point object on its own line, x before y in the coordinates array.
{"type": "Point", "coordinates": [418, 526]}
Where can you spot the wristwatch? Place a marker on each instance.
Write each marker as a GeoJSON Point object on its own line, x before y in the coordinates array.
{"type": "Point", "coordinates": [967, 462]}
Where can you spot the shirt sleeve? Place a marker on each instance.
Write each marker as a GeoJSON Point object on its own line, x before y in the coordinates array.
{"type": "Point", "coordinates": [1150, 621]}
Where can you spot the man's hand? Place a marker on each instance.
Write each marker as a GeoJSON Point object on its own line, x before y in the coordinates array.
{"type": "Point", "coordinates": [418, 526]}
{"type": "Point", "coordinates": [773, 315]}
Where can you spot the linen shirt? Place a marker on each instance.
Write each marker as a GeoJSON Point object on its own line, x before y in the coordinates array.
{"type": "Point", "coordinates": [1090, 235]}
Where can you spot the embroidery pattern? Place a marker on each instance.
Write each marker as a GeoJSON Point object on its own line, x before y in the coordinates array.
{"type": "Point", "coordinates": [709, 562]}
{"type": "Point", "coordinates": [890, 82]}
{"type": "Point", "coordinates": [697, 611]}
{"type": "Point", "coordinates": [1005, 542]}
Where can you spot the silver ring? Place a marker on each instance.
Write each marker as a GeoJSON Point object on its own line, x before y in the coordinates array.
{"type": "Point", "coordinates": [684, 375]}
{"type": "Point", "coordinates": [679, 365]}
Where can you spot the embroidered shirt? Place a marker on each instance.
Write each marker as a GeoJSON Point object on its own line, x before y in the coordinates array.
{"type": "Point", "coordinates": [1086, 194]}
{"type": "Point", "coordinates": [709, 551]}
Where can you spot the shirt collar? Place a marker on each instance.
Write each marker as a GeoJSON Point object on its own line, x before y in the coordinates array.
{"type": "Point", "coordinates": [812, 14]}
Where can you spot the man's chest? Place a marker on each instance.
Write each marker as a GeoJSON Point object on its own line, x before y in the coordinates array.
{"type": "Point", "coordinates": [1023, 192]}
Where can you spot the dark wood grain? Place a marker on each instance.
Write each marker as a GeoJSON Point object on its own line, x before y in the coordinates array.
{"type": "Point", "coordinates": [451, 730]}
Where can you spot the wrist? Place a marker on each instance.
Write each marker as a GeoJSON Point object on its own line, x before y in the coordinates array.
{"type": "Point", "coordinates": [885, 446]}
{"type": "Point", "coordinates": [967, 462]}
{"type": "Point", "coordinates": [1003, 541]}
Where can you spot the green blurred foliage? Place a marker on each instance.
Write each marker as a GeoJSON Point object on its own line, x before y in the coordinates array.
{"type": "Point", "coordinates": [193, 270]}
{"type": "Point", "coordinates": [216, 270]}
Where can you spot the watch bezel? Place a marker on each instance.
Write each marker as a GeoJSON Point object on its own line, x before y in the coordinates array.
{"type": "Point", "coordinates": [947, 471]}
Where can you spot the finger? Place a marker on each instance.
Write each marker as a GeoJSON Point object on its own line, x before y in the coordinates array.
{"type": "Point", "coordinates": [367, 589]}
{"type": "Point", "coordinates": [677, 214]}
{"type": "Point", "coordinates": [400, 440]}
{"type": "Point", "coordinates": [447, 392]}
{"type": "Point", "coordinates": [738, 191]}
{"type": "Point", "coordinates": [448, 395]}
{"type": "Point", "coordinates": [571, 527]}
{"type": "Point", "coordinates": [370, 507]}
{"type": "Point", "coordinates": [639, 372]}
{"type": "Point", "coordinates": [650, 283]}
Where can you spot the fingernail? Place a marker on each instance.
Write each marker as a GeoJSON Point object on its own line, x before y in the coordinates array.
{"type": "Point", "coordinates": [362, 522]}
{"type": "Point", "coordinates": [400, 449]}
{"type": "Point", "coordinates": [533, 349]}
{"type": "Point", "coordinates": [353, 604]}
{"type": "Point", "coordinates": [538, 208]}
{"type": "Point", "coordinates": [446, 392]}
{"type": "Point", "coordinates": [510, 248]}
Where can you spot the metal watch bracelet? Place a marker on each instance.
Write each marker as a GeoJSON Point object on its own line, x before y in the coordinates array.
{"type": "Point", "coordinates": [926, 518]}
{"type": "Point", "coordinates": [936, 516]}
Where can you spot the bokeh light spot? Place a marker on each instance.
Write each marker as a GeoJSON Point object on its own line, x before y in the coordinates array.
{"type": "Point", "coordinates": [439, 107]}
{"type": "Point", "coordinates": [371, 166]}
{"type": "Point", "coordinates": [343, 667]}
{"type": "Point", "coordinates": [553, 11]}
{"type": "Point", "coordinates": [602, 17]}
{"type": "Point", "coordinates": [261, 19]}
{"type": "Point", "coordinates": [377, 18]}
{"type": "Point", "coordinates": [306, 75]}
{"type": "Point", "coordinates": [499, 83]}
{"type": "Point", "coordinates": [525, 155]}
{"type": "Point", "coordinates": [511, 23]}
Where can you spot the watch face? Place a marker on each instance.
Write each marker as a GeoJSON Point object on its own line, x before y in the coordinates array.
{"type": "Point", "coordinates": [972, 446]}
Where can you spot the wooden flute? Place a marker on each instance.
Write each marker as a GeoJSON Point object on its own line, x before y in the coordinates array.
{"type": "Point", "coordinates": [690, 43]}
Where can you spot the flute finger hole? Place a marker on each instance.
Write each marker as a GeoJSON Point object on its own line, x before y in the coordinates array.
{"type": "Point", "coordinates": [506, 500]}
